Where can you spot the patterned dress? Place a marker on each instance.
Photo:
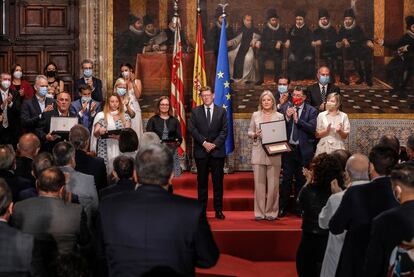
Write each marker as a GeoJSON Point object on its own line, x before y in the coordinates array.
{"type": "Point", "coordinates": [177, 167]}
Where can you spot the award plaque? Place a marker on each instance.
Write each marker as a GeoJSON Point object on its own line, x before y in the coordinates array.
{"type": "Point", "coordinates": [61, 125]}
{"type": "Point", "coordinates": [274, 137]}
{"type": "Point", "coordinates": [115, 132]}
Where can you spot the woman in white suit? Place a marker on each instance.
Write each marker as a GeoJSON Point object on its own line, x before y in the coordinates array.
{"type": "Point", "coordinates": [266, 168]}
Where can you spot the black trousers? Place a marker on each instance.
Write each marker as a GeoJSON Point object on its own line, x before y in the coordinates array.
{"type": "Point", "coordinates": [309, 256]}
{"type": "Point", "coordinates": [301, 67]}
{"type": "Point", "coordinates": [399, 70]}
{"type": "Point", "coordinates": [362, 58]}
{"type": "Point", "coordinates": [215, 166]}
{"type": "Point", "coordinates": [276, 57]}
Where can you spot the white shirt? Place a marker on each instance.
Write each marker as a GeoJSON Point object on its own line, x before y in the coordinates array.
{"type": "Point", "coordinates": [42, 102]}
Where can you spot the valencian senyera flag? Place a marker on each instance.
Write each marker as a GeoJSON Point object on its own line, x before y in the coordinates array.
{"type": "Point", "coordinates": [199, 73]}
{"type": "Point", "coordinates": [177, 88]}
{"type": "Point", "coordinates": [222, 89]}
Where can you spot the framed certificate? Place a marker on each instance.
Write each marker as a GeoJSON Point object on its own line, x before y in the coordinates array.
{"type": "Point", "coordinates": [274, 137]}
{"type": "Point", "coordinates": [62, 125]}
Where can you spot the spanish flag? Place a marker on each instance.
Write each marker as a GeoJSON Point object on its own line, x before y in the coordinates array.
{"type": "Point", "coordinates": [199, 73]}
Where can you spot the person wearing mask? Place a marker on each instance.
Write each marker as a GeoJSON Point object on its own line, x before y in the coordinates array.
{"type": "Point", "coordinates": [134, 92]}
{"type": "Point", "coordinates": [301, 126]}
{"type": "Point", "coordinates": [10, 129]}
{"type": "Point", "coordinates": [88, 79]}
{"type": "Point", "coordinates": [19, 84]}
{"type": "Point", "coordinates": [85, 107]}
{"type": "Point", "coordinates": [55, 84]}
{"type": "Point", "coordinates": [332, 126]}
{"type": "Point", "coordinates": [282, 94]}
{"type": "Point", "coordinates": [318, 92]}
{"type": "Point", "coordinates": [266, 169]}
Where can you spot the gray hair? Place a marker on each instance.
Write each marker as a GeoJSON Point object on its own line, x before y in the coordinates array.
{"type": "Point", "coordinates": [63, 152]}
{"type": "Point", "coordinates": [7, 157]}
{"type": "Point", "coordinates": [270, 94]}
{"type": "Point", "coordinates": [79, 136]}
{"type": "Point", "coordinates": [149, 138]}
{"type": "Point", "coordinates": [357, 167]}
{"type": "Point", "coordinates": [154, 164]}
{"type": "Point", "coordinates": [40, 77]}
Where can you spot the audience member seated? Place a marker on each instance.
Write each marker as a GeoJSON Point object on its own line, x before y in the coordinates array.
{"type": "Point", "coordinates": [128, 142]}
{"type": "Point", "coordinates": [124, 174]}
{"type": "Point", "coordinates": [10, 129]}
{"type": "Point", "coordinates": [55, 84]}
{"type": "Point", "coordinates": [28, 147]}
{"type": "Point", "coordinates": [60, 110]}
{"type": "Point", "coordinates": [318, 92]}
{"type": "Point", "coordinates": [342, 155]}
{"type": "Point", "coordinates": [356, 170]}
{"type": "Point", "coordinates": [149, 138]}
{"type": "Point", "coordinates": [79, 136]}
{"type": "Point", "coordinates": [88, 79]}
{"type": "Point", "coordinates": [113, 117]}
{"type": "Point", "coordinates": [15, 247]}
{"type": "Point", "coordinates": [20, 84]}
{"type": "Point", "coordinates": [33, 109]}
{"type": "Point", "coordinates": [7, 164]}
{"type": "Point", "coordinates": [359, 205]}
{"type": "Point", "coordinates": [410, 150]}
{"type": "Point", "coordinates": [78, 183]}
{"type": "Point", "coordinates": [390, 141]}
{"type": "Point", "coordinates": [332, 126]}
{"type": "Point", "coordinates": [66, 227]}
{"type": "Point", "coordinates": [159, 216]}
{"type": "Point", "coordinates": [326, 172]}
{"type": "Point", "coordinates": [85, 108]}
{"type": "Point", "coordinates": [391, 245]}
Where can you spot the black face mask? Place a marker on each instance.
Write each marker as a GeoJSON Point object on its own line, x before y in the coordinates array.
{"type": "Point", "coordinates": [51, 73]}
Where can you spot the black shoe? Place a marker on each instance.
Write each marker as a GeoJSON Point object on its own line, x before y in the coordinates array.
{"type": "Point", "coordinates": [282, 213]}
{"type": "Point", "coordinates": [344, 81]}
{"type": "Point", "coordinates": [369, 83]}
{"type": "Point", "coordinates": [220, 215]}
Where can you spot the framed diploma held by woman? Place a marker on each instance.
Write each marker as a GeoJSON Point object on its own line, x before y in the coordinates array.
{"type": "Point", "coordinates": [274, 137]}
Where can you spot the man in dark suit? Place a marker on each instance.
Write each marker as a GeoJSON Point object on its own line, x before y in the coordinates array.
{"type": "Point", "coordinates": [7, 162]}
{"type": "Point", "coordinates": [385, 240]}
{"type": "Point", "coordinates": [150, 227]}
{"type": "Point", "coordinates": [58, 226]}
{"type": "Point", "coordinates": [33, 109]}
{"type": "Point", "coordinates": [88, 79]}
{"type": "Point", "coordinates": [208, 126]}
{"type": "Point", "coordinates": [48, 139]}
{"type": "Point", "coordinates": [15, 246]}
{"type": "Point", "coordinates": [317, 92]}
{"type": "Point", "coordinates": [95, 166]}
{"type": "Point", "coordinates": [301, 126]}
{"type": "Point", "coordinates": [359, 206]}
{"type": "Point", "coordinates": [85, 108]}
{"type": "Point", "coordinates": [124, 172]}
{"type": "Point", "coordinates": [10, 129]}
{"type": "Point", "coordinates": [28, 147]}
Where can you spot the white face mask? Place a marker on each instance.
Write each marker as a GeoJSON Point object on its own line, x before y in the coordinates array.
{"type": "Point", "coordinates": [114, 112]}
{"type": "Point", "coordinates": [125, 74]}
{"type": "Point", "coordinates": [6, 84]}
{"type": "Point", "coordinates": [17, 74]}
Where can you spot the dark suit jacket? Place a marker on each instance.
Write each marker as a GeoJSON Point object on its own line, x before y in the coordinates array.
{"type": "Point", "coordinates": [358, 208]}
{"type": "Point", "coordinates": [94, 166]}
{"type": "Point", "coordinates": [24, 168]}
{"type": "Point", "coordinates": [389, 230]}
{"type": "Point", "coordinates": [306, 130]}
{"type": "Point", "coordinates": [58, 227]}
{"type": "Point", "coordinates": [17, 184]}
{"type": "Point", "coordinates": [151, 227]}
{"type": "Point", "coordinates": [215, 133]}
{"type": "Point", "coordinates": [76, 107]}
{"type": "Point", "coordinates": [314, 96]}
{"type": "Point", "coordinates": [13, 116]}
{"type": "Point", "coordinates": [30, 112]}
{"type": "Point", "coordinates": [96, 93]}
{"type": "Point", "coordinates": [120, 186]}
{"type": "Point", "coordinates": [15, 250]}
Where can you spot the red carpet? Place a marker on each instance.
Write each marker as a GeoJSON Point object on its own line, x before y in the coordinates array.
{"type": "Point", "coordinates": [247, 247]}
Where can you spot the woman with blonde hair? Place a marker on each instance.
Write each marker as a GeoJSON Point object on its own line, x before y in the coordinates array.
{"type": "Point", "coordinates": [266, 169]}
{"type": "Point", "coordinates": [113, 117]}
{"type": "Point", "coordinates": [332, 126]}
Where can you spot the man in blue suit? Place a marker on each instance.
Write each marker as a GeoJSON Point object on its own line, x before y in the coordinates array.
{"type": "Point", "coordinates": [301, 126]}
{"type": "Point", "coordinates": [85, 108]}
{"type": "Point", "coordinates": [88, 79]}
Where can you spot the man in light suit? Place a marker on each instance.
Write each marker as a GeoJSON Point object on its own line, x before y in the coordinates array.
{"type": "Point", "coordinates": [150, 228]}
{"type": "Point", "coordinates": [88, 79]}
{"type": "Point", "coordinates": [15, 246]}
{"type": "Point", "coordinates": [85, 108]}
{"type": "Point", "coordinates": [208, 126]}
{"type": "Point", "coordinates": [301, 126]}
{"type": "Point", "coordinates": [317, 92]}
{"type": "Point", "coordinates": [78, 183]}
{"type": "Point", "coordinates": [58, 226]}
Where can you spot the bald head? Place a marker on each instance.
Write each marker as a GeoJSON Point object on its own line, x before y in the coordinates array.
{"type": "Point", "coordinates": [29, 145]}
{"type": "Point", "coordinates": [357, 167]}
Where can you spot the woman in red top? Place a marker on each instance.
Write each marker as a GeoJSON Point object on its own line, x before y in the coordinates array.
{"type": "Point", "coordinates": [19, 84]}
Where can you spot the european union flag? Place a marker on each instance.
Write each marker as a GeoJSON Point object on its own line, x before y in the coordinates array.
{"type": "Point", "coordinates": [222, 88]}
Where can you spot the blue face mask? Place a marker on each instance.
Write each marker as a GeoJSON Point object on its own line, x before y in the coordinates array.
{"type": "Point", "coordinates": [121, 91]}
{"type": "Point", "coordinates": [86, 99]}
{"type": "Point", "coordinates": [87, 73]}
{"type": "Point", "coordinates": [43, 91]}
{"type": "Point", "coordinates": [324, 80]}
{"type": "Point", "coordinates": [282, 88]}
